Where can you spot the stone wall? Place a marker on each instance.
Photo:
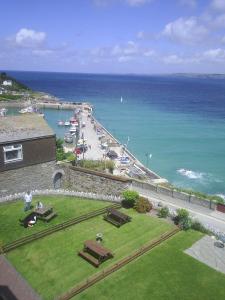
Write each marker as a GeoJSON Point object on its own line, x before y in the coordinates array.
{"type": "Point", "coordinates": [174, 194]}
{"type": "Point", "coordinates": [80, 179]}
{"type": "Point", "coordinates": [34, 177]}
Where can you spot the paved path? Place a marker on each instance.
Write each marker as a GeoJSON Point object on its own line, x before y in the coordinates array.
{"type": "Point", "coordinates": [91, 136]}
{"type": "Point", "coordinates": [206, 251]}
{"type": "Point", "coordinates": [12, 285]}
{"type": "Point", "coordinates": [206, 216]}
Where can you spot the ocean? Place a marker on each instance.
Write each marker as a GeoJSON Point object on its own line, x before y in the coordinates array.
{"type": "Point", "coordinates": [174, 124]}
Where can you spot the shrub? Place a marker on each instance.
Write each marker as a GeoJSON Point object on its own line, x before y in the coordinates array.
{"type": "Point", "coordinates": [183, 219]}
{"type": "Point", "coordinates": [163, 212]}
{"type": "Point", "coordinates": [110, 165]}
{"type": "Point", "coordinates": [196, 225]}
{"type": "Point", "coordinates": [71, 157]}
{"type": "Point", "coordinates": [142, 205]}
{"type": "Point", "coordinates": [130, 197]}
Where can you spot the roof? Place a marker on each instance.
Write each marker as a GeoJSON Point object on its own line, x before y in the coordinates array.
{"type": "Point", "coordinates": [24, 127]}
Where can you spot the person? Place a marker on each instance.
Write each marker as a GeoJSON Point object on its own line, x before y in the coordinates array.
{"type": "Point", "coordinates": [39, 205]}
{"type": "Point", "coordinates": [32, 221]}
{"type": "Point", "coordinates": [27, 199]}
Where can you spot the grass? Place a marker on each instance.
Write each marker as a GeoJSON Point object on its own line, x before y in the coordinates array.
{"type": "Point", "coordinates": [66, 208]}
{"type": "Point", "coordinates": [7, 97]}
{"type": "Point", "coordinates": [164, 273]}
{"type": "Point", "coordinates": [51, 265]}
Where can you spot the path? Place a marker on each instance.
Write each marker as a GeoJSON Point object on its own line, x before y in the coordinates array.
{"type": "Point", "coordinates": [207, 217]}
{"type": "Point", "coordinates": [206, 251]}
{"type": "Point", "coordinates": [12, 285]}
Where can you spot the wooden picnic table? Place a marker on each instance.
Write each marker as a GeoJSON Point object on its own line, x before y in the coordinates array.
{"type": "Point", "coordinates": [45, 210]}
{"type": "Point", "coordinates": [95, 253]}
{"type": "Point", "coordinates": [97, 249]}
{"type": "Point", "coordinates": [45, 213]}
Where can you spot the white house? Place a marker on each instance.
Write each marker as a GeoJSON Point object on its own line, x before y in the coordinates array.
{"type": "Point", "coordinates": [7, 83]}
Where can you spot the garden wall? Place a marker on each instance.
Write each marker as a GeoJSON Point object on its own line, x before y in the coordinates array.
{"type": "Point", "coordinates": [80, 179]}
{"type": "Point", "coordinates": [39, 176]}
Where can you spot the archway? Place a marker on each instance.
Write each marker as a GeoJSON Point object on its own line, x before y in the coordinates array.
{"type": "Point", "coordinates": [57, 180]}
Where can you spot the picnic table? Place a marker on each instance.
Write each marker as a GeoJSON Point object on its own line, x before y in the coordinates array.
{"type": "Point", "coordinates": [45, 213]}
{"type": "Point", "coordinates": [116, 217]}
{"type": "Point", "coordinates": [95, 253]}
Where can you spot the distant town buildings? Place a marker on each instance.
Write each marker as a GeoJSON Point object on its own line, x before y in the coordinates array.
{"type": "Point", "coordinates": [7, 83]}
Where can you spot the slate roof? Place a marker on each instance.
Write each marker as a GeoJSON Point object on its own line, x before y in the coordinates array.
{"type": "Point", "coordinates": [24, 127]}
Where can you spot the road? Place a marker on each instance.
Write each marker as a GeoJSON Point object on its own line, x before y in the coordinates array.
{"type": "Point", "coordinates": [209, 218]}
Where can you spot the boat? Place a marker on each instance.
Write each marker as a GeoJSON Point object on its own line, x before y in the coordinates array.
{"type": "Point", "coordinates": [26, 110]}
{"type": "Point", "coordinates": [3, 112]}
{"type": "Point", "coordinates": [67, 123]}
{"type": "Point", "coordinates": [60, 123]}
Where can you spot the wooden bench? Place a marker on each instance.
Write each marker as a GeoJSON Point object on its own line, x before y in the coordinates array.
{"type": "Point", "coordinates": [50, 216]}
{"type": "Point", "coordinates": [111, 220]}
{"type": "Point", "coordinates": [89, 258]}
{"type": "Point", "coordinates": [116, 217]}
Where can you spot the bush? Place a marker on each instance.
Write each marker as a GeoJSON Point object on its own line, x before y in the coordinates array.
{"type": "Point", "coordinates": [110, 165]}
{"type": "Point", "coordinates": [130, 197]}
{"type": "Point", "coordinates": [71, 157]}
{"type": "Point", "coordinates": [143, 205]}
{"type": "Point", "coordinates": [183, 219]}
{"type": "Point", "coordinates": [163, 212]}
{"type": "Point", "coordinates": [196, 225]}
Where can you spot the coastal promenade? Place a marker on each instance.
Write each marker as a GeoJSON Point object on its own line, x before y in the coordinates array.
{"type": "Point", "coordinates": [209, 218]}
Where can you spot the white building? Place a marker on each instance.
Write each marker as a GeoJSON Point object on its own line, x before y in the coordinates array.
{"type": "Point", "coordinates": [7, 83]}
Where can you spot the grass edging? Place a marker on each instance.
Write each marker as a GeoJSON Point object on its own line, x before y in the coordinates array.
{"type": "Point", "coordinates": [106, 272]}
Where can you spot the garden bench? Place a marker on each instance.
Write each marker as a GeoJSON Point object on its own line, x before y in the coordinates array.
{"type": "Point", "coordinates": [116, 217]}
{"type": "Point", "coordinates": [95, 253]}
{"type": "Point", "coordinates": [50, 216]}
{"type": "Point", "coordinates": [111, 220]}
{"type": "Point", "coordinates": [89, 258]}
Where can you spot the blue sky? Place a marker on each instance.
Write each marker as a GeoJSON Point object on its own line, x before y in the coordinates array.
{"type": "Point", "coordinates": [113, 36]}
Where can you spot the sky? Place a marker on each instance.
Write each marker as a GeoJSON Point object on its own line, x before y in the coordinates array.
{"type": "Point", "coordinates": [113, 36]}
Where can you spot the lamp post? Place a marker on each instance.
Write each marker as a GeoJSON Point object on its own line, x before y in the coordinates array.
{"type": "Point", "coordinates": [148, 156]}
{"type": "Point", "coordinates": [82, 136]}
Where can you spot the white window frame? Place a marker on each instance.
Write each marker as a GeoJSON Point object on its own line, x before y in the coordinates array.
{"type": "Point", "coordinates": [18, 147]}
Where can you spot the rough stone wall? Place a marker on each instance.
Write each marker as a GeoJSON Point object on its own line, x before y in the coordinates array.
{"type": "Point", "coordinates": [87, 182]}
{"type": "Point", "coordinates": [28, 178]}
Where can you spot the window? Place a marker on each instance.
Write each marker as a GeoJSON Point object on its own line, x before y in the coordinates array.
{"type": "Point", "coordinates": [13, 153]}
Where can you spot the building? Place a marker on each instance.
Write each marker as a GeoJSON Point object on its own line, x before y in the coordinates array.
{"type": "Point", "coordinates": [27, 154]}
{"type": "Point", "coordinates": [7, 83]}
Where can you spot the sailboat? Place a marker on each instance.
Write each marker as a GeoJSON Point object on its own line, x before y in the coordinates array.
{"type": "Point", "coordinates": [121, 99]}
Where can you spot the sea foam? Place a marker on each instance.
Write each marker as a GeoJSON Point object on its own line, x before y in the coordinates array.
{"type": "Point", "coordinates": [190, 174]}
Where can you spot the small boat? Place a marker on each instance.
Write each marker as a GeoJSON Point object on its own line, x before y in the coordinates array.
{"type": "Point", "coordinates": [67, 123]}
{"type": "Point", "coordinates": [60, 123]}
{"type": "Point", "coordinates": [83, 124]}
{"type": "Point", "coordinates": [3, 112]}
{"type": "Point", "coordinates": [26, 110]}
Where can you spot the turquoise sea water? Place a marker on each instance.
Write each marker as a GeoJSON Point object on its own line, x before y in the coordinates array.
{"type": "Point", "coordinates": [179, 120]}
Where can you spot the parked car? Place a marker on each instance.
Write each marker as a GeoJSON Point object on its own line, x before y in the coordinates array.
{"type": "Point", "coordinates": [68, 138]}
{"type": "Point", "coordinates": [112, 154]}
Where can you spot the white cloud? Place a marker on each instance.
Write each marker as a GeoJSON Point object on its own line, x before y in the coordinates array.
{"type": "Point", "coordinates": [219, 21]}
{"type": "Point", "coordinates": [215, 55]}
{"type": "Point", "coordinates": [223, 40]}
{"type": "Point", "coordinates": [125, 58]}
{"type": "Point", "coordinates": [42, 52]}
{"type": "Point", "coordinates": [190, 3]}
{"type": "Point", "coordinates": [29, 38]}
{"type": "Point", "coordinates": [137, 2]}
{"type": "Point", "coordinates": [149, 53]}
{"type": "Point", "coordinates": [188, 31]}
{"type": "Point", "coordinates": [218, 5]}
{"type": "Point", "coordinates": [128, 2]}
{"type": "Point", "coordinates": [173, 59]}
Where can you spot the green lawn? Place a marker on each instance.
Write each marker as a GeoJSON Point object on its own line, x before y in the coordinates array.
{"type": "Point", "coordinates": [66, 208]}
{"type": "Point", "coordinates": [164, 273]}
{"type": "Point", "coordinates": [51, 265]}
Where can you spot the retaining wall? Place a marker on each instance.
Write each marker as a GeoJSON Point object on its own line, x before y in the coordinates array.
{"type": "Point", "coordinates": [175, 194]}
{"type": "Point", "coordinates": [80, 179]}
